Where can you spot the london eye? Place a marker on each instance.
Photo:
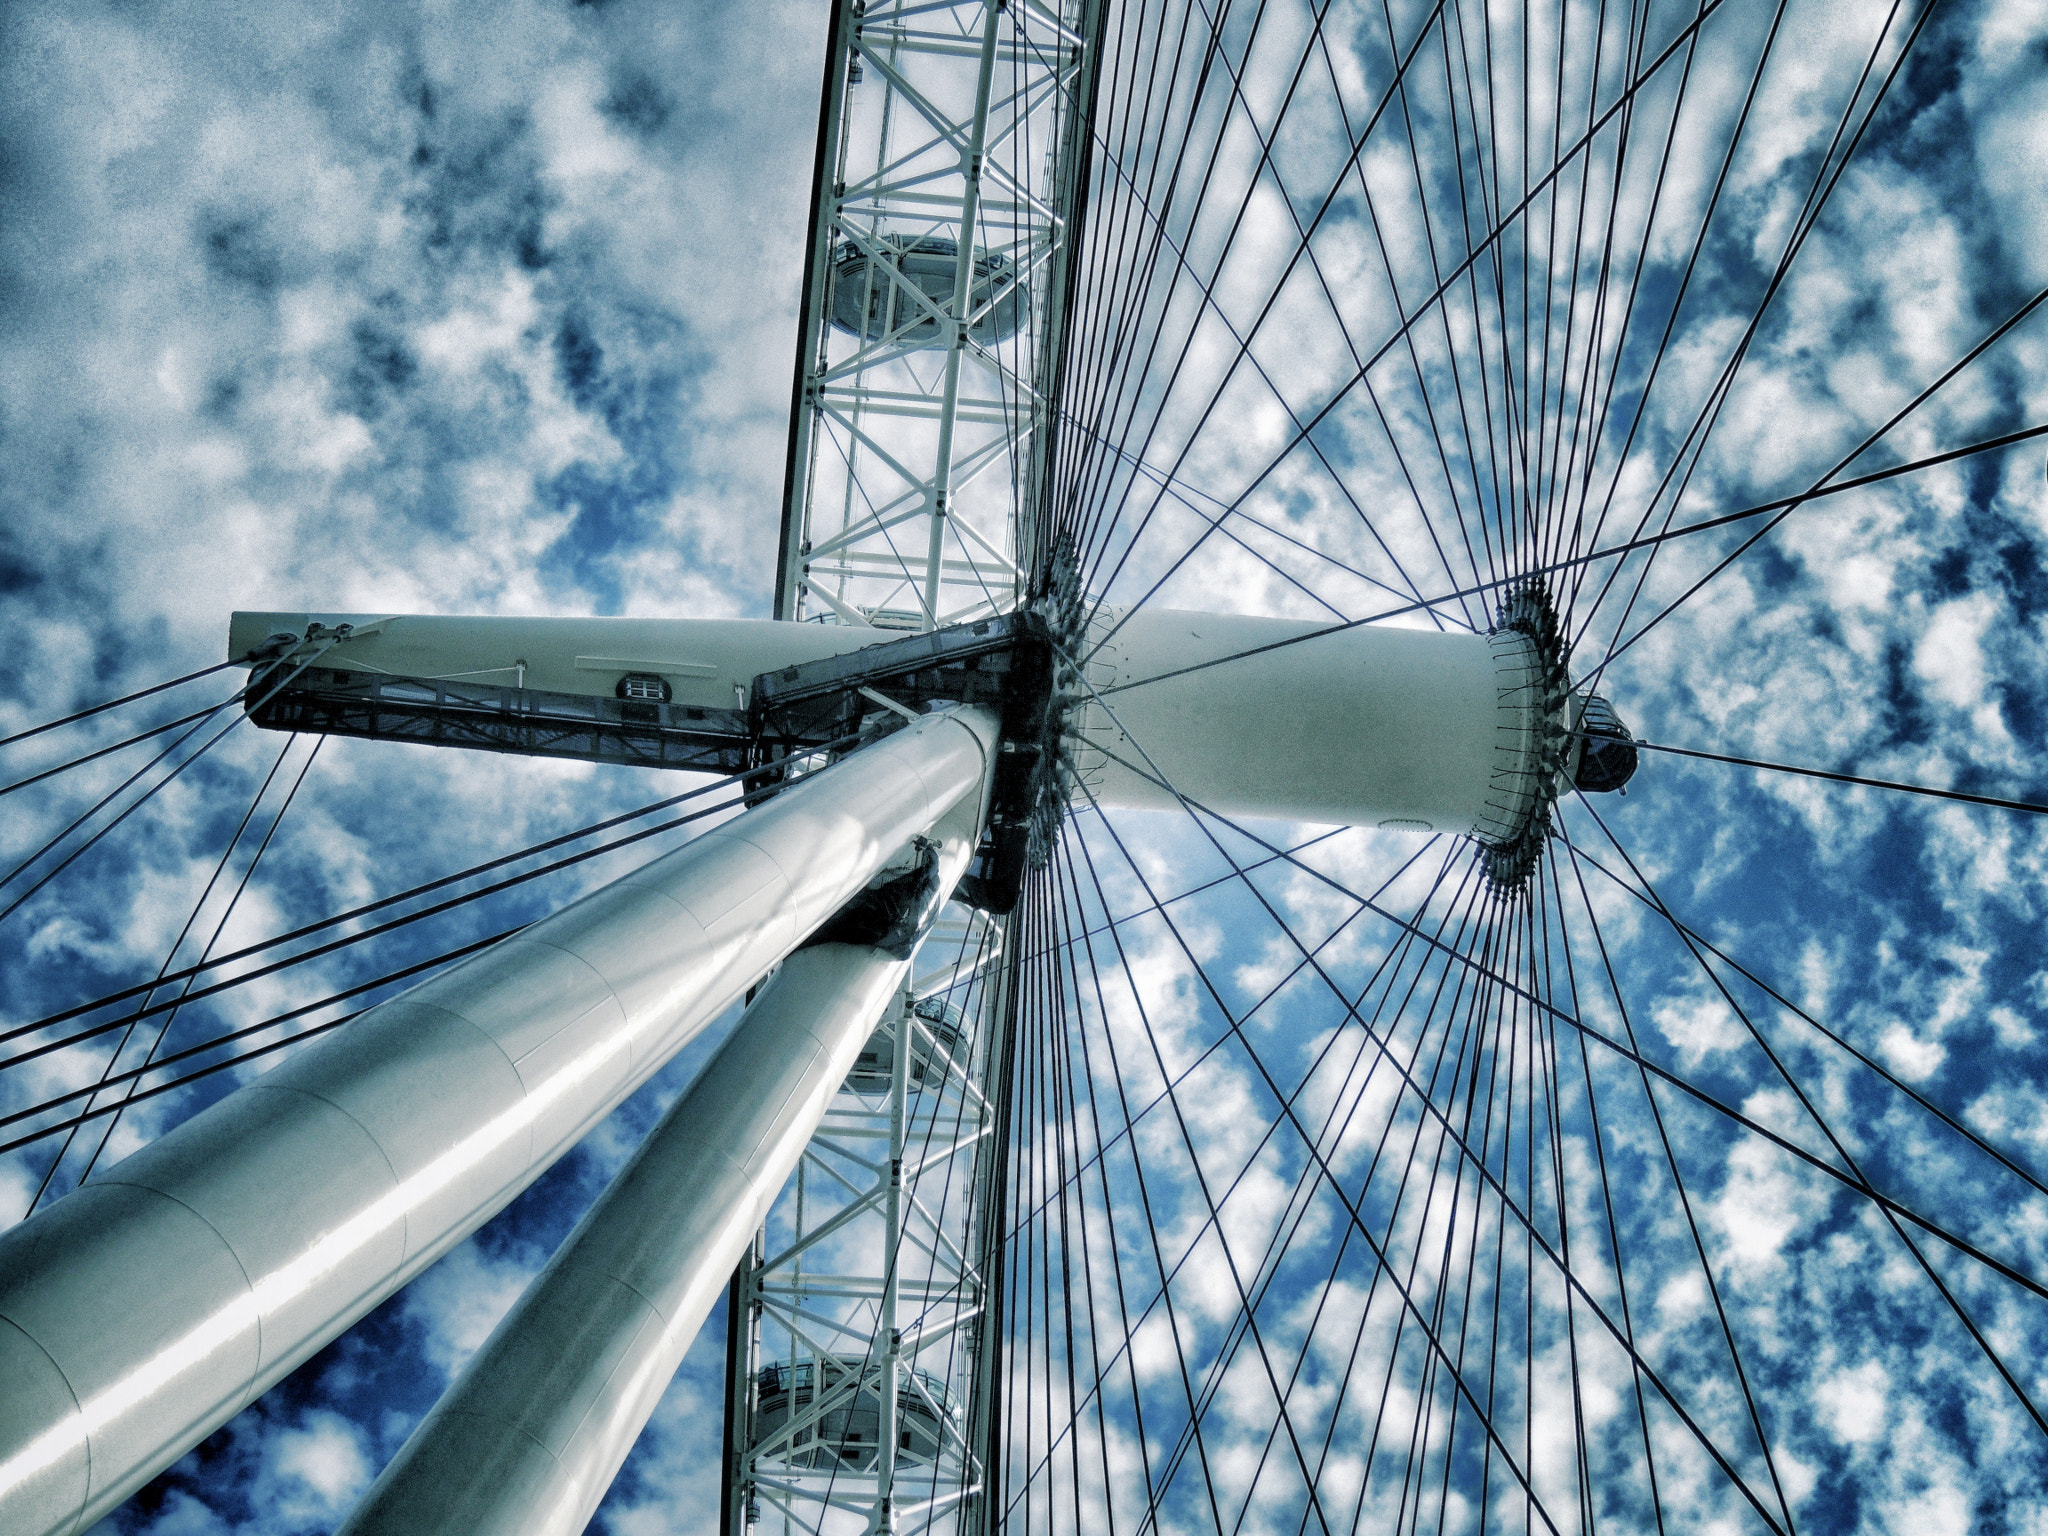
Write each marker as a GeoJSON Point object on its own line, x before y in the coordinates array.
{"type": "Point", "coordinates": [1346, 835]}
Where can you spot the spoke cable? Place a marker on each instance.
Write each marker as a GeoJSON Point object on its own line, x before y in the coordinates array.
{"type": "Point", "coordinates": [170, 955]}
{"type": "Point", "coordinates": [77, 762]}
{"type": "Point", "coordinates": [1846, 778]}
{"type": "Point", "coordinates": [130, 698]}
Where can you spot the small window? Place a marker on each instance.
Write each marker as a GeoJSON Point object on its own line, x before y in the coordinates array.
{"type": "Point", "coordinates": [645, 686]}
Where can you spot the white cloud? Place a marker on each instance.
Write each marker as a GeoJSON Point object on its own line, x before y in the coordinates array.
{"type": "Point", "coordinates": [314, 1473]}
{"type": "Point", "coordinates": [460, 1300]}
{"type": "Point", "coordinates": [1912, 1058]}
{"type": "Point", "coordinates": [1853, 1403]}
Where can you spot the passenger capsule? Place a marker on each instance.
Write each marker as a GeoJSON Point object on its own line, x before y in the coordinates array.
{"type": "Point", "coordinates": [870, 297]}
{"type": "Point", "coordinates": [1608, 759]}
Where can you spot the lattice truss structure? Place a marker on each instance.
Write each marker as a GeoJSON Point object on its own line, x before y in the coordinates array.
{"type": "Point", "coordinates": [859, 1356]}
{"type": "Point", "coordinates": [935, 282]}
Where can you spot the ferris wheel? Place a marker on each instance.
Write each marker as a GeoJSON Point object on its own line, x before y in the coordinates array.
{"type": "Point", "coordinates": [1344, 909]}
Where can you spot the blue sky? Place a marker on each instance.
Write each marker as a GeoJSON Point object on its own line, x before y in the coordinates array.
{"type": "Point", "coordinates": [491, 309]}
{"type": "Point", "coordinates": [465, 310]}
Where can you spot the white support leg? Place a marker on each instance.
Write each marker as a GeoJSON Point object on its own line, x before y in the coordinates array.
{"type": "Point", "coordinates": [272, 1221]}
{"type": "Point", "coordinates": [526, 1442]}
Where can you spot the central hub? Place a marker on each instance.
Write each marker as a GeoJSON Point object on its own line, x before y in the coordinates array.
{"type": "Point", "coordinates": [1214, 714]}
{"type": "Point", "coordinates": [1348, 724]}
{"type": "Point", "coordinates": [1549, 739]}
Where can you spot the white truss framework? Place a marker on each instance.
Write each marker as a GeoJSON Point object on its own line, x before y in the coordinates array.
{"type": "Point", "coordinates": [850, 1407]}
{"type": "Point", "coordinates": [946, 129]}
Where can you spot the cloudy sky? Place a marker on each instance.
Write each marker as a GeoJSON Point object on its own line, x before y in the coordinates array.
{"type": "Point", "coordinates": [433, 308]}
{"type": "Point", "coordinates": [477, 309]}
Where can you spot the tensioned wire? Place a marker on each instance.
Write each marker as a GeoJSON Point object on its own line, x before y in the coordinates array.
{"type": "Point", "coordinates": [1548, 472]}
{"type": "Point", "coordinates": [113, 1059]}
{"type": "Point", "coordinates": [746, 796]}
{"type": "Point", "coordinates": [1584, 394]}
{"type": "Point", "coordinates": [107, 799]}
{"type": "Point", "coordinates": [1701, 428]}
{"type": "Point", "coordinates": [1553, 909]}
{"type": "Point", "coordinates": [1204, 288]}
{"type": "Point", "coordinates": [1111, 1143]}
{"type": "Point", "coordinates": [448, 904]}
{"type": "Point", "coordinates": [1731, 152]}
{"type": "Point", "coordinates": [1817, 196]}
{"type": "Point", "coordinates": [1551, 1043]}
{"type": "Point", "coordinates": [84, 758]}
{"type": "Point", "coordinates": [1525, 1217]}
{"type": "Point", "coordinates": [1204, 816]}
{"type": "Point", "coordinates": [1586, 391]}
{"type": "Point", "coordinates": [1381, 1254]}
{"type": "Point", "coordinates": [1091, 571]}
{"type": "Point", "coordinates": [1300, 1209]}
{"type": "Point", "coordinates": [1685, 281]}
{"type": "Point", "coordinates": [1072, 943]}
{"type": "Point", "coordinates": [1369, 191]}
{"type": "Point", "coordinates": [1411, 317]}
{"type": "Point", "coordinates": [1892, 1211]}
{"type": "Point", "coordinates": [1508, 466]}
{"type": "Point", "coordinates": [1582, 1041]}
{"type": "Point", "coordinates": [1085, 534]}
{"type": "Point", "coordinates": [1837, 1145]}
{"type": "Point", "coordinates": [1111, 263]}
{"type": "Point", "coordinates": [1817, 491]}
{"type": "Point", "coordinates": [1617, 646]}
{"type": "Point", "coordinates": [1706, 1267]}
{"type": "Point", "coordinates": [1496, 552]}
{"type": "Point", "coordinates": [403, 973]}
{"type": "Point", "coordinates": [1137, 202]}
{"type": "Point", "coordinates": [263, 675]}
{"type": "Point", "coordinates": [1632, 1352]}
{"type": "Point", "coordinates": [1415, 1462]}
{"type": "Point", "coordinates": [190, 994]}
{"type": "Point", "coordinates": [1779, 1000]}
{"type": "Point", "coordinates": [126, 698]}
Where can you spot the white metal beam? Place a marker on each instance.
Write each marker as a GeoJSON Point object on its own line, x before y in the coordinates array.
{"type": "Point", "coordinates": [273, 1220]}
{"type": "Point", "coordinates": [528, 1439]}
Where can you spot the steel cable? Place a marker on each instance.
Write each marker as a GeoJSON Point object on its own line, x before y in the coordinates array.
{"type": "Point", "coordinates": [130, 698]}
{"type": "Point", "coordinates": [171, 954]}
